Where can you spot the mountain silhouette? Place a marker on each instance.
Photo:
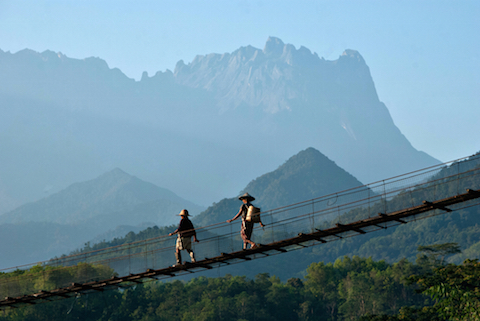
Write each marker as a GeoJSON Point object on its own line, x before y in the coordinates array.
{"type": "Point", "coordinates": [114, 193]}
{"type": "Point", "coordinates": [303, 99]}
{"type": "Point", "coordinates": [306, 175]}
{"type": "Point", "coordinates": [112, 203]}
{"type": "Point", "coordinates": [192, 128]}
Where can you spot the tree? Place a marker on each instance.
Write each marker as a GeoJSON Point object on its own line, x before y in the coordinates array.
{"type": "Point", "coordinates": [456, 290]}
{"type": "Point", "coordinates": [435, 254]}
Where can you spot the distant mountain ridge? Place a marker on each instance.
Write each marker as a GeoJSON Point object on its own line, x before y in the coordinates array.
{"type": "Point", "coordinates": [113, 192]}
{"type": "Point", "coordinates": [191, 129]}
{"type": "Point", "coordinates": [330, 105]}
{"type": "Point", "coordinates": [284, 73]}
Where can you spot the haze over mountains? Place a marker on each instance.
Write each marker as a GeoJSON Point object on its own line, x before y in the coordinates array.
{"type": "Point", "coordinates": [109, 206]}
{"type": "Point", "coordinates": [203, 131]}
{"type": "Point", "coordinates": [114, 198]}
{"type": "Point", "coordinates": [116, 203]}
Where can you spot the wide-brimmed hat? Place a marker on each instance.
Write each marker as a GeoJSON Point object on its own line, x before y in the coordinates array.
{"type": "Point", "coordinates": [247, 196]}
{"type": "Point", "coordinates": [183, 213]}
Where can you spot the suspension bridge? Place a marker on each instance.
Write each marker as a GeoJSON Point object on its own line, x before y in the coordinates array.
{"type": "Point", "coordinates": [417, 195]}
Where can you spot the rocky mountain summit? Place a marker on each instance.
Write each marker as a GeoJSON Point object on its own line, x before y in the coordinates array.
{"type": "Point", "coordinates": [288, 77]}
{"type": "Point", "coordinates": [299, 97]}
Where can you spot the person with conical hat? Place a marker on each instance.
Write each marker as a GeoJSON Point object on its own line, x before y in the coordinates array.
{"type": "Point", "coordinates": [247, 226]}
{"type": "Point", "coordinates": [185, 232]}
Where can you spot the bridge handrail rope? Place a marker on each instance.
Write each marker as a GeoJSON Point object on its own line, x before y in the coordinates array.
{"type": "Point", "coordinates": [286, 223]}
{"type": "Point", "coordinates": [168, 272]}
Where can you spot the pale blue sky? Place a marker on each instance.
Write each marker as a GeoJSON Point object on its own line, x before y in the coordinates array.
{"type": "Point", "coordinates": [423, 55]}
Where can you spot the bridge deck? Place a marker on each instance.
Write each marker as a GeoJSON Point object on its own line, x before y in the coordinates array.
{"type": "Point", "coordinates": [382, 220]}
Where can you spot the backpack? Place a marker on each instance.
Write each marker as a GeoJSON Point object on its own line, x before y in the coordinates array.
{"type": "Point", "coordinates": [253, 214]}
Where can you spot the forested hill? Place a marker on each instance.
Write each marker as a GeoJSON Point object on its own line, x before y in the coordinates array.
{"type": "Point", "coordinates": [461, 226]}
{"type": "Point", "coordinates": [307, 175]}
{"type": "Point", "coordinates": [304, 176]}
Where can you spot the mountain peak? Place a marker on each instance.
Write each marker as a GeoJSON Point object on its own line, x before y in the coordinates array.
{"type": "Point", "coordinates": [352, 55]}
{"type": "Point", "coordinates": [112, 192]}
{"type": "Point", "coordinates": [306, 175]}
{"type": "Point", "coordinates": [115, 177]}
{"type": "Point", "coordinates": [273, 47]}
{"type": "Point", "coordinates": [117, 172]}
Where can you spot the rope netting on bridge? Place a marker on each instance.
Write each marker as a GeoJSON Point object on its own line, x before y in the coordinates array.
{"type": "Point", "coordinates": [387, 196]}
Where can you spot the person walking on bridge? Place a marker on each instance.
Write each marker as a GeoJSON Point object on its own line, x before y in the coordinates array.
{"type": "Point", "coordinates": [247, 226]}
{"type": "Point", "coordinates": [185, 232]}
